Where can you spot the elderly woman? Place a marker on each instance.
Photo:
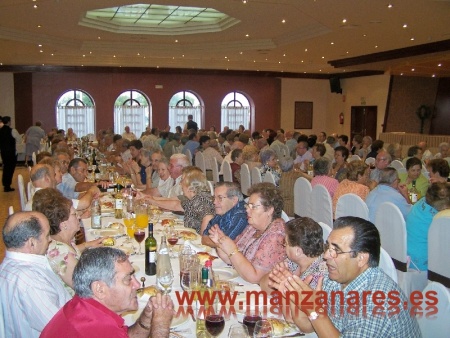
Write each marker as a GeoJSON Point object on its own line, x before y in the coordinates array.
{"type": "Point", "coordinates": [443, 151]}
{"type": "Point", "coordinates": [250, 155]}
{"type": "Point", "coordinates": [261, 245]}
{"type": "Point", "coordinates": [339, 169]}
{"type": "Point", "coordinates": [355, 183]}
{"type": "Point", "coordinates": [321, 169]}
{"type": "Point", "coordinates": [304, 250]}
{"type": "Point", "coordinates": [413, 151]}
{"type": "Point", "coordinates": [269, 160]}
{"type": "Point", "coordinates": [439, 170]}
{"type": "Point", "coordinates": [238, 160]}
{"type": "Point", "coordinates": [414, 176]}
{"type": "Point", "coordinates": [395, 150]}
{"type": "Point", "coordinates": [62, 252]}
{"type": "Point", "coordinates": [419, 220]}
{"type": "Point", "coordinates": [165, 180]}
{"type": "Point", "coordinates": [142, 171]}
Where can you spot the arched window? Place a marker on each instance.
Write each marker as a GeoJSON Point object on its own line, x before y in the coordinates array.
{"type": "Point", "coordinates": [132, 108]}
{"type": "Point", "coordinates": [183, 104]}
{"type": "Point", "coordinates": [75, 109]}
{"type": "Point", "coordinates": [235, 111]}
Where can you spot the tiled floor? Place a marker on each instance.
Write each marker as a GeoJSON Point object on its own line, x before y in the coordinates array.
{"type": "Point", "coordinates": [10, 198]}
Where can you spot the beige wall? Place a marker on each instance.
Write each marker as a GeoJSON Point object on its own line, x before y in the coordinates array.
{"type": "Point", "coordinates": [7, 95]}
{"type": "Point", "coordinates": [327, 106]}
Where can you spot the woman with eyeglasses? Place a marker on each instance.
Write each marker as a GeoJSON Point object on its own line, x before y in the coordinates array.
{"type": "Point", "coordinates": [304, 250]}
{"type": "Point", "coordinates": [260, 246]}
{"type": "Point", "coordinates": [62, 252]}
{"type": "Point", "coordinates": [269, 160]}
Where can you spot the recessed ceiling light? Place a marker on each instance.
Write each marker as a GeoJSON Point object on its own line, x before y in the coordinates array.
{"type": "Point", "coordinates": [344, 20]}
{"type": "Point", "coordinates": [84, 55]}
{"type": "Point", "coordinates": [176, 40]}
{"type": "Point", "coordinates": [138, 54]}
{"type": "Point", "coordinates": [247, 35]}
{"type": "Point", "coordinates": [412, 39]}
{"type": "Point", "coordinates": [332, 43]}
{"type": "Point", "coordinates": [254, 60]}
{"type": "Point", "coordinates": [41, 51]}
{"type": "Point", "coordinates": [241, 53]}
{"type": "Point", "coordinates": [405, 25]}
{"type": "Point", "coordinates": [434, 75]}
{"type": "Point", "coordinates": [412, 69]}
{"type": "Point", "coordinates": [39, 45]}
{"type": "Point", "coordinates": [283, 21]}
{"type": "Point", "coordinates": [90, 52]}
{"type": "Point", "coordinates": [306, 49]}
{"type": "Point", "coordinates": [302, 61]}
{"type": "Point", "coordinates": [376, 46]}
{"type": "Point", "coordinates": [323, 57]}
{"type": "Point", "coordinates": [226, 57]}
{"type": "Point", "coordinates": [284, 54]}
{"type": "Point", "coordinates": [390, 6]}
{"type": "Point", "coordinates": [279, 61]}
{"type": "Point", "coordinates": [51, 54]}
{"type": "Point", "coordinates": [39, 26]}
{"type": "Point", "coordinates": [98, 37]}
{"type": "Point", "coordinates": [35, 6]}
{"type": "Point", "coordinates": [439, 64]}
{"type": "Point", "coordinates": [346, 52]}
{"type": "Point", "coordinates": [401, 74]}
{"type": "Point", "coordinates": [114, 56]}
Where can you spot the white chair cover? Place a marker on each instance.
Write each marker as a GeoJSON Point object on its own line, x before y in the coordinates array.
{"type": "Point", "coordinates": [302, 198]}
{"type": "Point", "coordinates": [268, 177]}
{"type": "Point", "coordinates": [354, 158]}
{"type": "Point", "coordinates": [200, 161]}
{"type": "Point", "coordinates": [211, 187]}
{"type": "Point", "coordinates": [438, 326]}
{"type": "Point", "coordinates": [226, 169]}
{"type": "Point", "coordinates": [256, 176]}
{"type": "Point", "coordinates": [351, 205]}
{"type": "Point", "coordinates": [396, 164]}
{"type": "Point", "coordinates": [387, 265]}
{"type": "Point", "coordinates": [10, 212]}
{"type": "Point", "coordinates": [370, 161]}
{"type": "Point", "coordinates": [391, 225]}
{"type": "Point", "coordinates": [189, 156]}
{"type": "Point", "coordinates": [326, 229]}
{"type": "Point", "coordinates": [215, 171]}
{"type": "Point", "coordinates": [246, 181]}
{"type": "Point", "coordinates": [30, 190]}
{"type": "Point", "coordinates": [285, 150]}
{"type": "Point", "coordinates": [22, 193]}
{"type": "Point", "coordinates": [321, 206]}
{"type": "Point", "coordinates": [284, 216]}
{"type": "Point", "coordinates": [33, 158]}
{"type": "Point", "coordinates": [438, 251]}
{"type": "Point", "coordinates": [402, 171]}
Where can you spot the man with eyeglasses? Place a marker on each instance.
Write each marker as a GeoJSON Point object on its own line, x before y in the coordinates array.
{"type": "Point", "coordinates": [357, 298]}
{"type": "Point", "coordinates": [302, 155]}
{"type": "Point", "coordinates": [231, 216]}
{"type": "Point", "coordinates": [382, 161]}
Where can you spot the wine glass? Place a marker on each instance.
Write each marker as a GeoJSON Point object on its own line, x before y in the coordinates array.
{"type": "Point", "coordinates": [214, 324]}
{"type": "Point", "coordinates": [190, 279]}
{"type": "Point", "coordinates": [238, 331]}
{"type": "Point", "coordinates": [263, 329]}
{"type": "Point", "coordinates": [252, 316]}
{"type": "Point", "coordinates": [172, 239]}
{"type": "Point", "coordinates": [139, 235]}
{"type": "Point", "coordinates": [165, 278]}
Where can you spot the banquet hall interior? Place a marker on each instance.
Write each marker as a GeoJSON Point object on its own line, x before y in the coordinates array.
{"type": "Point", "coordinates": [344, 67]}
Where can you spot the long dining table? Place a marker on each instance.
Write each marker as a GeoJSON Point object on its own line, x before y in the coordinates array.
{"type": "Point", "coordinates": [183, 324]}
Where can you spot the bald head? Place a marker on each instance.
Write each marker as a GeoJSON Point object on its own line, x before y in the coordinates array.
{"type": "Point", "coordinates": [43, 176]}
{"type": "Point", "coordinates": [27, 232]}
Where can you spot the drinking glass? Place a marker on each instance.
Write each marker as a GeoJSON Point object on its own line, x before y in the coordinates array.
{"type": "Point", "coordinates": [139, 235]}
{"type": "Point", "coordinates": [141, 216]}
{"type": "Point", "coordinates": [252, 316]}
{"type": "Point", "coordinates": [190, 279]}
{"type": "Point", "coordinates": [214, 324]}
{"type": "Point", "coordinates": [238, 331]}
{"type": "Point", "coordinates": [172, 239]}
{"type": "Point", "coordinates": [165, 278]}
{"type": "Point", "coordinates": [263, 329]}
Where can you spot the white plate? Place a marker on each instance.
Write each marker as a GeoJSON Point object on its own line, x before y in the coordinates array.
{"type": "Point", "coordinates": [177, 321]}
{"type": "Point", "coordinates": [107, 232]}
{"type": "Point", "coordinates": [225, 274]}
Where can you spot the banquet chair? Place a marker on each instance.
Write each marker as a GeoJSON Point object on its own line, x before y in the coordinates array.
{"type": "Point", "coordinates": [22, 193]}
{"type": "Point", "coordinates": [33, 158]}
{"type": "Point", "coordinates": [245, 179]}
{"type": "Point", "coordinates": [215, 171]}
{"type": "Point", "coordinates": [200, 161]}
{"type": "Point", "coordinates": [227, 173]}
{"type": "Point", "coordinates": [321, 206]}
{"type": "Point", "coordinates": [30, 190]}
{"type": "Point", "coordinates": [438, 242]}
{"type": "Point", "coordinates": [302, 198]}
{"type": "Point", "coordinates": [387, 265]}
{"type": "Point", "coordinates": [370, 161]}
{"type": "Point", "coordinates": [326, 229]}
{"type": "Point", "coordinates": [354, 158]}
{"type": "Point", "coordinates": [351, 205]}
{"type": "Point", "coordinates": [268, 177]}
{"type": "Point", "coordinates": [10, 210]}
{"type": "Point", "coordinates": [285, 150]}
{"type": "Point", "coordinates": [189, 156]}
{"type": "Point", "coordinates": [396, 164]}
{"type": "Point", "coordinates": [285, 216]}
{"type": "Point", "coordinates": [438, 325]}
{"type": "Point", "coordinates": [256, 176]}
{"type": "Point", "coordinates": [401, 171]}
{"type": "Point", "coordinates": [391, 225]}
{"type": "Point", "coordinates": [211, 187]}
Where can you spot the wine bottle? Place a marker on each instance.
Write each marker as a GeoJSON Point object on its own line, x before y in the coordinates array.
{"type": "Point", "coordinates": [414, 194]}
{"type": "Point", "coordinates": [118, 203]}
{"type": "Point", "coordinates": [150, 252]}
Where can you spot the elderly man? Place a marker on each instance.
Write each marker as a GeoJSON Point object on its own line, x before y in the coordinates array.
{"type": "Point", "coordinates": [302, 155]}
{"type": "Point", "coordinates": [231, 216]}
{"type": "Point", "coordinates": [359, 299]}
{"type": "Point", "coordinates": [128, 134]}
{"type": "Point", "coordinates": [388, 190]}
{"type": "Point", "coordinates": [105, 288]}
{"type": "Point", "coordinates": [426, 153]}
{"type": "Point", "coordinates": [64, 159]}
{"type": "Point", "coordinates": [30, 292]}
{"type": "Point", "coordinates": [382, 161]}
{"type": "Point", "coordinates": [73, 182]}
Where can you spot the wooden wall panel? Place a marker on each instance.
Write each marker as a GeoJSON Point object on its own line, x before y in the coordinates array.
{"type": "Point", "coordinates": [23, 101]}
{"type": "Point", "coordinates": [440, 125]}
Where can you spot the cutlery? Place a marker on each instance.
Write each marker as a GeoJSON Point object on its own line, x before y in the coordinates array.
{"type": "Point", "coordinates": [298, 334]}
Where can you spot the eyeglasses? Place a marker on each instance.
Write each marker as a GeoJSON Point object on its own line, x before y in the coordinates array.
{"type": "Point", "coordinates": [64, 162]}
{"type": "Point", "coordinates": [252, 206]}
{"type": "Point", "coordinates": [333, 252]}
{"type": "Point", "coordinates": [220, 198]}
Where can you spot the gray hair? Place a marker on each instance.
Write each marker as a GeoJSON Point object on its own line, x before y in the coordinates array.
{"type": "Point", "coordinates": [147, 153]}
{"type": "Point", "coordinates": [15, 236]}
{"type": "Point", "coordinates": [388, 176]}
{"type": "Point", "coordinates": [266, 155]}
{"type": "Point", "coordinates": [181, 159]}
{"type": "Point", "coordinates": [286, 164]}
{"type": "Point", "coordinates": [321, 167]}
{"type": "Point", "coordinates": [150, 144]}
{"type": "Point", "coordinates": [40, 172]}
{"type": "Point", "coordinates": [96, 264]}
{"type": "Point", "coordinates": [232, 190]}
{"type": "Point", "coordinates": [443, 145]}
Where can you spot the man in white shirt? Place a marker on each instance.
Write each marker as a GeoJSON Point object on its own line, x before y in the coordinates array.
{"type": "Point", "coordinates": [302, 155]}
{"type": "Point", "coordinates": [30, 292]}
{"type": "Point", "coordinates": [128, 134]}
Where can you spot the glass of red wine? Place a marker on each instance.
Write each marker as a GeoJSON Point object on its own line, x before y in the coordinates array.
{"type": "Point", "coordinates": [251, 317]}
{"type": "Point", "coordinates": [214, 324]}
{"type": "Point", "coordinates": [139, 235]}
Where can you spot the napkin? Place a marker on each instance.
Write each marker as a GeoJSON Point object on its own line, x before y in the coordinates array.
{"type": "Point", "coordinates": [196, 248]}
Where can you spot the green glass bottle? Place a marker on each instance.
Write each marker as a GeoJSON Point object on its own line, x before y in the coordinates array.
{"type": "Point", "coordinates": [150, 252]}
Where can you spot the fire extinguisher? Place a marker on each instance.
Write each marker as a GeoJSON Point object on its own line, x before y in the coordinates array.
{"type": "Point", "coordinates": [341, 118]}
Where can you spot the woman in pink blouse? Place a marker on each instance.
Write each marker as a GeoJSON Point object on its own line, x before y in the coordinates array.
{"type": "Point", "coordinates": [261, 245]}
{"type": "Point", "coordinates": [356, 182]}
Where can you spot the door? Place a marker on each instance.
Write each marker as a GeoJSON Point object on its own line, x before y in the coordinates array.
{"type": "Point", "coordinates": [364, 121]}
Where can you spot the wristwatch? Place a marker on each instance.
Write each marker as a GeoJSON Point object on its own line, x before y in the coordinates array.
{"type": "Point", "coordinates": [315, 314]}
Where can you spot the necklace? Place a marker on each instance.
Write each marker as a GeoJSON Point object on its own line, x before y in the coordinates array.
{"type": "Point", "coordinates": [259, 233]}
